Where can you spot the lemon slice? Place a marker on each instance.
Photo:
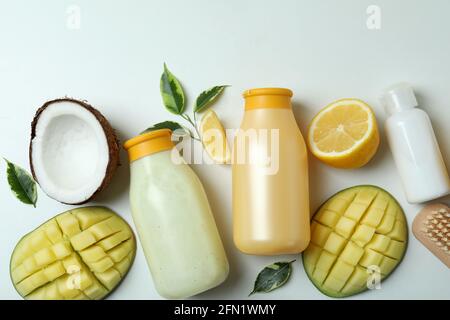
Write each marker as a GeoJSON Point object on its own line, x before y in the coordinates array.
{"type": "Point", "coordinates": [214, 138]}
{"type": "Point", "coordinates": [344, 134]}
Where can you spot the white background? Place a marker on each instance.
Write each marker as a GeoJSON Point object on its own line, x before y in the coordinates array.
{"type": "Point", "coordinates": [322, 50]}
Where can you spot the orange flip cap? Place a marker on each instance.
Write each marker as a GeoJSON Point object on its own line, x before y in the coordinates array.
{"type": "Point", "coordinates": [149, 143]}
{"type": "Point", "coordinates": [267, 98]}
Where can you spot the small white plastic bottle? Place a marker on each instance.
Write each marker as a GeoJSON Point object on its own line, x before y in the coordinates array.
{"type": "Point", "coordinates": [414, 146]}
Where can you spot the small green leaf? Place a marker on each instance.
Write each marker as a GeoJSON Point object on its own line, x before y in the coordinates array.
{"type": "Point", "coordinates": [272, 277]}
{"type": "Point", "coordinates": [207, 97]}
{"type": "Point", "coordinates": [172, 125]}
{"type": "Point", "coordinates": [21, 183]}
{"type": "Point", "coordinates": [172, 92]}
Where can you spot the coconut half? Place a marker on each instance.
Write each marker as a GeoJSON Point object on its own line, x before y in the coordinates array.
{"type": "Point", "coordinates": [74, 151]}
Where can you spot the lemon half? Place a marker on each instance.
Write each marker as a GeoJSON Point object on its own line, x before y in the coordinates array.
{"type": "Point", "coordinates": [344, 134]}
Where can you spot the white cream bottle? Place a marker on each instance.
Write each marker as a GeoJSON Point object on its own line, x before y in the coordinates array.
{"type": "Point", "coordinates": [414, 146]}
{"type": "Point", "coordinates": [173, 219]}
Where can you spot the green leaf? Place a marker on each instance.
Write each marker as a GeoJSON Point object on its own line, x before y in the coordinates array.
{"type": "Point", "coordinates": [21, 183]}
{"type": "Point", "coordinates": [172, 93]}
{"type": "Point", "coordinates": [272, 277]}
{"type": "Point", "coordinates": [172, 125]}
{"type": "Point", "coordinates": [207, 97]}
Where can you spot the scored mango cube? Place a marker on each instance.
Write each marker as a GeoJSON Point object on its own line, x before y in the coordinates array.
{"type": "Point", "coordinates": [333, 284]}
{"type": "Point", "coordinates": [101, 230]}
{"type": "Point", "coordinates": [19, 272]}
{"type": "Point", "coordinates": [355, 211]}
{"type": "Point", "coordinates": [357, 281]}
{"type": "Point", "coordinates": [328, 218]}
{"type": "Point", "coordinates": [313, 255]}
{"type": "Point", "coordinates": [363, 234]}
{"type": "Point", "coordinates": [26, 286]}
{"type": "Point", "coordinates": [101, 265]}
{"type": "Point", "coordinates": [91, 216]}
{"type": "Point", "coordinates": [345, 227]}
{"type": "Point", "coordinates": [387, 224]}
{"type": "Point", "coordinates": [337, 205]}
{"type": "Point", "coordinates": [68, 224]}
{"type": "Point", "coordinates": [54, 271]}
{"type": "Point", "coordinates": [44, 257]}
{"type": "Point", "coordinates": [365, 196]}
{"type": "Point", "coordinates": [39, 241]}
{"type": "Point", "coordinates": [38, 294]}
{"type": "Point", "coordinates": [52, 293]}
{"type": "Point", "coordinates": [352, 253]}
{"type": "Point", "coordinates": [93, 253]}
{"type": "Point", "coordinates": [373, 217]}
{"type": "Point", "coordinates": [116, 225]}
{"type": "Point", "coordinates": [348, 195]}
{"type": "Point", "coordinates": [380, 202]}
{"type": "Point", "coordinates": [109, 278]}
{"type": "Point", "coordinates": [335, 243]}
{"type": "Point", "coordinates": [371, 258]}
{"type": "Point", "coordinates": [319, 275]}
{"type": "Point", "coordinates": [398, 232]}
{"type": "Point", "coordinates": [387, 265]}
{"type": "Point", "coordinates": [82, 240]}
{"type": "Point", "coordinates": [61, 250]}
{"type": "Point", "coordinates": [392, 209]}
{"type": "Point", "coordinates": [320, 235]}
{"type": "Point", "coordinates": [123, 265]}
{"type": "Point", "coordinates": [341, 271]}
{"type": "Point", "coordinates": [395, 249]}
{"type": "Point", "coordinates": [53, 232]}
{"type": "Point", "coordinates": [121, 251]}
{"type": "Point", "coordinates": [114, 240]}
{"type": "Point", "coordinates": [379, 243]}
{"type": "Point", "coordinates": [38, 278]}
{"type": "Point", "coordinates": [325, 261]}
{"type": "Point", "coordinates": [30, 264]}
{"type": "Point", "coordinates": [95, 291]}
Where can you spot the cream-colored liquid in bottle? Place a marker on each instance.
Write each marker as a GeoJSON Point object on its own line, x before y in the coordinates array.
{"type": "Point", "coordinates": [270, 177]}
{"type": "Point", "coordinates": [173, 218]}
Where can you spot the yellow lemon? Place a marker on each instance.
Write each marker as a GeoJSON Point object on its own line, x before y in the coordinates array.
{"type": "Point", "coordinates": [214, 138]}
{"type": "Point", "coordinates": [344, 134]}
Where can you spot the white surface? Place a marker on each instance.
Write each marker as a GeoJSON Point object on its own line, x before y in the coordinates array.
{"type": "Point", "coordinates": [320, 49]}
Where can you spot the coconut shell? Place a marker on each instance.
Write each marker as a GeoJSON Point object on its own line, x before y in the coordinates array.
{"type": "Point", "coordinates": [111, 137]}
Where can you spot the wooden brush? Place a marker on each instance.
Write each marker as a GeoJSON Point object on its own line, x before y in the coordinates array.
{"type": "Point", "coordinates": [432, 227]}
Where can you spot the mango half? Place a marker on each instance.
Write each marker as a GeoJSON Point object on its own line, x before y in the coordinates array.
{"type": "Point", "coordinates": [357, 235]}
{"type": "Point", "coordinates": [79, 254]}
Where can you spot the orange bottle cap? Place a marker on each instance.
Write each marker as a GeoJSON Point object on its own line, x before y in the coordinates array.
{"type": "Point", "coordinates": [149, 143]}
{"type": "Point", "coordinates": [267, 98]}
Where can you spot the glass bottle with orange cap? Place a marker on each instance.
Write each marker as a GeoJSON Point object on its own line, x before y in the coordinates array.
{"type": "Point", "coordinates": [173, 218]}
{"type": "Point", "coordinates": [270, 177]}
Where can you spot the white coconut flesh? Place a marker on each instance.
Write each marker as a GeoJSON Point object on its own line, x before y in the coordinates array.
{"type": "Point", "coordinates": [70, 153]}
